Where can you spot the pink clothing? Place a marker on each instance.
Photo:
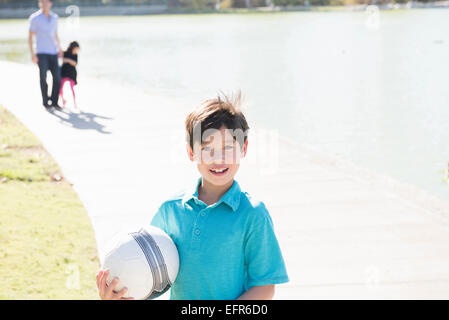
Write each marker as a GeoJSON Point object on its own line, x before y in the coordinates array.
{"type": "Point", "coordinates": [72, 84]}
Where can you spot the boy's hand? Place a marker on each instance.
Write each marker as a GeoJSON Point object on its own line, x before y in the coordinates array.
{"type": "Point", "coordinates": [107, 292]}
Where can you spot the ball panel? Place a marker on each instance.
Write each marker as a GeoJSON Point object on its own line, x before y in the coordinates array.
{"type": "Point", "coordinates": [137, 277]}
{"type": "Point", "coordinates": [146, 262]}
{"type": "Point", "coordinates": [127, 262]}
{"type": "Point", "coordinates": [168, 250]}
{"type": "Point", "coordinates": [156, 260]}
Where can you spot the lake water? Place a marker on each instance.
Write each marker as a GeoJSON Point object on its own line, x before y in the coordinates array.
{"type": "Point", "coordinates": [372, 89]}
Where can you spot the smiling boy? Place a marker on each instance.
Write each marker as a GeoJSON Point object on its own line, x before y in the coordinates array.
{"type": "Point", "coordinates": [225, 237]}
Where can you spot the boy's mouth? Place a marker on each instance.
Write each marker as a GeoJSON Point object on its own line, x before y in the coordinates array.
{"type": "Point", "coordinates": [219, 171]}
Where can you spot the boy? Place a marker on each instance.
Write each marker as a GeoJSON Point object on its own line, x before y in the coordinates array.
{"type": "Point", "coordinates": [225, 237]}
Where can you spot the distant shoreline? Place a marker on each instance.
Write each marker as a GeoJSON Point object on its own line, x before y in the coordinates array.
{"type": "Point", "coordinates": [109, 10]}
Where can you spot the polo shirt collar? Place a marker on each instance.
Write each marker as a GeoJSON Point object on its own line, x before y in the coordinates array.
{"type": "Point", "coordinates": [50, 13]}
{"type": "Point", "coordinates": [231, 197]}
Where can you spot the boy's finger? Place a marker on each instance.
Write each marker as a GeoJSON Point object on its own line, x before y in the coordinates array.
{"type": "Point", "coordinates": [111, 287]}
{"type": "Point", "coordinates": [103, 285]}
{"type": "Point", "coordinates": [104, 277]}
{"type": "Point", "coordinates": [122, 292]}
{"type": "Point", "coordinates": [98, 278]}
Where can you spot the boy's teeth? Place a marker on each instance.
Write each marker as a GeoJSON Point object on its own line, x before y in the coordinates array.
{"type": "Point", "coordinates": [219, 170]}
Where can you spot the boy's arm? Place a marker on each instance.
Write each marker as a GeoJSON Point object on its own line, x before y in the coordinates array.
{"type": "Point", "coordinates": [263, 258]}
{"type": "Point", "coordinates": [158, 219]}
{"type": "Point", "coordinates": [258, 293]}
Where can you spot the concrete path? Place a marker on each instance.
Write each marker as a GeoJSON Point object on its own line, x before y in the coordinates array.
{"type": "Point", "coordinates": [345, 232]}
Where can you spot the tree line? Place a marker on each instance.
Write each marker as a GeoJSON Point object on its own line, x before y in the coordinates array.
{"type": "Point", "coordinates": [210, 3]}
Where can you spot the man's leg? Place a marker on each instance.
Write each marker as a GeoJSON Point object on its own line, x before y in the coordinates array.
{"type": "Point", "coordinates": [43, 67]}
{"type": "Point", "coordinates": [56, 74]}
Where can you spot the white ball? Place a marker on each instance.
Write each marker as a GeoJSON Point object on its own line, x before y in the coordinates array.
{"type": "Point", "coordinates": [146, 262]}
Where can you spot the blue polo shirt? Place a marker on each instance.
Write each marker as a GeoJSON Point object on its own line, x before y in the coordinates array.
{"type": "Point", "coordinates": [224, 248]}
{"type": "Point", "coordinates": [45, 29]}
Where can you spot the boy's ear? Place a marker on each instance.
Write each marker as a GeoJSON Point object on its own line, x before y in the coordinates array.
{"type": "Point", "coordinates": [245, 148]}
{"type": "Point", "coordinates": [189, 152]}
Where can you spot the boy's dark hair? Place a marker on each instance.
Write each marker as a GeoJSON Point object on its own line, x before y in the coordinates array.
{"type": "Point", "coordinates": [215, 113]}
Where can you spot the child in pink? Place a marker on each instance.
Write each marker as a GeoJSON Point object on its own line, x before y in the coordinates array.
{"type": "Point", "coordinates": [68, 69]}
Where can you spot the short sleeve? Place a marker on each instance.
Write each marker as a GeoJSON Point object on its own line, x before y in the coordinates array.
{"type": "Point", "coordinates": [263, 258]}
{"type": "Point", "coordinates": [159, 219]}
{"type": "Point", "coordinates": [33, 24]}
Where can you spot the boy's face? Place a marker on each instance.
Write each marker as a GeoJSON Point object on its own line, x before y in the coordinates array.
{"type": "Point", "coordinates": [219, 152]}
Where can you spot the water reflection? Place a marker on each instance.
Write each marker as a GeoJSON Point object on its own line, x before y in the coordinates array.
{"type": "Point", "coordinates": [377, 96]}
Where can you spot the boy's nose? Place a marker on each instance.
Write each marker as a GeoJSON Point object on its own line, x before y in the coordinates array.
{"type": "Point", "coordinates": [225, 157]}
{"type": "Point", "coordinates": [218, 157]}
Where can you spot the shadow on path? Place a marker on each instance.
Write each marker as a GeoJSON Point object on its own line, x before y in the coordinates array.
{"type": "Point", "coordinates": [81, 120]}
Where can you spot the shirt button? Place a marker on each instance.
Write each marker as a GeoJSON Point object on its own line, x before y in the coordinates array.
{"type": "Point", "coordinates": [197, 231]}
{"type": "Point", "coordinates": [203, 214]}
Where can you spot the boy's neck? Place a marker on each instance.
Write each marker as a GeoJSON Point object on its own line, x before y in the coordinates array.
{"type": "Point", "coordinates": [209, 193]}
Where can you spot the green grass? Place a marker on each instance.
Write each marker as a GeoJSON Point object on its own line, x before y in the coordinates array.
{"type": "Point", "coordinates": [47, 244]}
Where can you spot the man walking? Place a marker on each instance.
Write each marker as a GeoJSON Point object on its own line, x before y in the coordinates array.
{"type": "Point", "coordinates": [44, 26]}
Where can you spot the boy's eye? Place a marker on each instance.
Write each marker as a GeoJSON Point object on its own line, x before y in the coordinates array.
{"type": "Point", "coordinates": [207, 149]}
